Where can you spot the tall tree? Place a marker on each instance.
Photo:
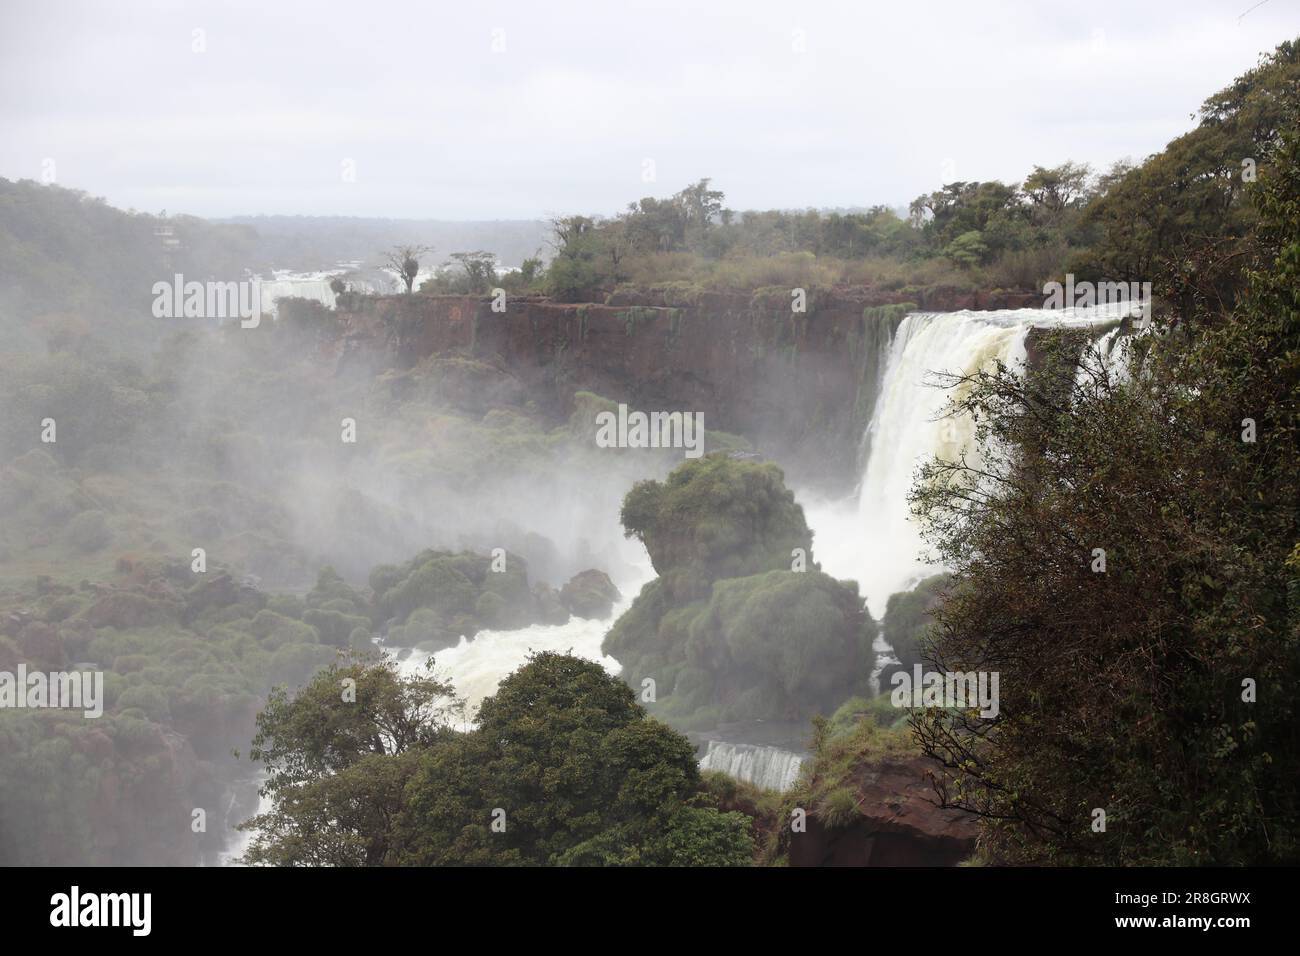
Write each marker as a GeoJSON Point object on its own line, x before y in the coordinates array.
{"type": "Point", "coordinates": [405, 261]}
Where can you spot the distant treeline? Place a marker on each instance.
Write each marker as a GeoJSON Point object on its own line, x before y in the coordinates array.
{"type": "Point", "coordinates": [72, 255]}
{"type": "Point", "coordinates": [1117, 225]}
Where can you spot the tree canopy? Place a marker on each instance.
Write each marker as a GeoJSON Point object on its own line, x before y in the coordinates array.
{"type": "Point", "coordinates": [564, 768]}
{"type": "Point", "coordinates": [1127, 558]}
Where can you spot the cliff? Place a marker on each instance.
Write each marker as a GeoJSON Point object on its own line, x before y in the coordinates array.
{"type": "Point", "coordinates": [798, 385]}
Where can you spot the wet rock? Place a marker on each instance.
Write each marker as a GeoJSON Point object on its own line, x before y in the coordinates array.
{"type": "Point", "coordinates": [590, 594]}
{"type": "Point", "coordinates": [550, 607]}
{"type": "Point", "coordinates": [899, 823]}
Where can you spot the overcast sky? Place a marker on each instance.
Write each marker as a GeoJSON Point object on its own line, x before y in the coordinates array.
{"type": "Point", "coordinates": [486, 110]}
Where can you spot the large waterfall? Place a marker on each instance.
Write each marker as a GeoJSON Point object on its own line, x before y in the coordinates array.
{"type": "Point", "coordinates": [869, 538]}
{"type": "Point", "coordinates": [872, 538]}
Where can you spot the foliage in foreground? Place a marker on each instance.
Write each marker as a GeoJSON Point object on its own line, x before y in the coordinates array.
{"type": "Point", "coordinates": [1160, 690]}
{"type": "Point", "coordinates": [564, 768]}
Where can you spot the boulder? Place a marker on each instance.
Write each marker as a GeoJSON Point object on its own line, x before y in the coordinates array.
{"type": "Point", "coordinates": [550, 609]}
{"type": "Point", "coordinates": [900, 823]}
{"type": "Point", "coordinates": [590, 594]}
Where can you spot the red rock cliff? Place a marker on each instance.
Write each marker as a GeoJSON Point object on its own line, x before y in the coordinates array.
{"type": "Point", "coordinates": [798, 385]}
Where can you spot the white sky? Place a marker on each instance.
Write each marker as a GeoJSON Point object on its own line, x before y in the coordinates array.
{"type": "Point", "coordinates": [886, 101]}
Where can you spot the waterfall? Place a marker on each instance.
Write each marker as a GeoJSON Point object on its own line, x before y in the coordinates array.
{"type": "Point", "coordinates": [906, 430]}
{"type": "Point", "coordinates": [238, 841]}
{"type": "Point", "coordinates": [305, 285]}
{"type": "Point", "coordinates": [1110, 356]}
{"type": "Point", "coordinates": [477, 665]}
{"type": "Point", "coordinates": [769, 767]}
{"type": "Point", "coordinates": [873, 538]}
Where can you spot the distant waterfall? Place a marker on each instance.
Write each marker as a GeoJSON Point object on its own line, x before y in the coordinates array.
{"type": "Point", "coordinates": [305, 285]}
{"type": "Point", "coordinates": [475, 666]}
{"type": "Point", "coordinates": [767, 767]}
{"type": "Point", "coordinates": [239, 841]}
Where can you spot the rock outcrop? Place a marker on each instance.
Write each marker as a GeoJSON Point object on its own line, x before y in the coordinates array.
{"type": "Point", "coordinates": [899, 823]}
{"type": "Point", "coordinates": [590, 594]}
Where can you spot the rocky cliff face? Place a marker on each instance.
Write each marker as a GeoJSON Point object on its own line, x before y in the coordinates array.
{"type": "Point", "coordinates": [798, 385]}
{"type": "Point", "coordinates": [899, 823]}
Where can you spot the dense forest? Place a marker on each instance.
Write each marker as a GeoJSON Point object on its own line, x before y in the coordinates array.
{"type": "Point", "coordinates": [256, 590]}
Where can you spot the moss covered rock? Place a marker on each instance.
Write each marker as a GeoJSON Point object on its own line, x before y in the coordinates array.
{"type": "Point", "coordinates": [716, 517]}
{"type": "Point", "coordinates": [729, 632]}
{"type": "Point", "coordinates": [590, 594]}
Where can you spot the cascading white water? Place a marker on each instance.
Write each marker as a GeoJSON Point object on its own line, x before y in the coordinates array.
{"type": "Point", "coordinates": [476, 666]}
{"type": "Point", "coordinates": [304, 285]}
{"type": "Point", "coordinates": [907, 429]}
{"type": "Point", "coordinates": [870, 538]}
{"type": "Point", "coordinates": [769, 767]}
{"type": "Point", "coordinates": [240, 840]}
{"type": "Point", "coordinates": [873, 539]}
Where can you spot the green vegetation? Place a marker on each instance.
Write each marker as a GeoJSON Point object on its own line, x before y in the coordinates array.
{"type": "Point", "coordinates": [1159, 690]}
{"type": "Point", "coordinates": [564, 768]}
{"type": "Point", "coordinates": [908, 622]}
{"type": "Point", "coordinates": [186, 658]}
{"type": "Point", "coordinates": [437, 597]}
{"type": "Point", "coordinates": [1125, 224]}
{"type": "Point", "coordinates": [859, 737]}
{"type": "Point", "coordinates": [82, 265]}
{"type": "Point", "coordinates": [716, 517]}
{"type": "Point", "coordinates": [590, 594]}
{"type": "Point", "coordinates": [185, 664]}
{"type": "Point", "coordinates": [1181, 219]}
{"type": "Point", "coordinates": [728, 631]}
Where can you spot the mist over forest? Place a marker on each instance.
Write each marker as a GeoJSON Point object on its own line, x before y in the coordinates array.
{"type": "Point", "coordinates": [958, 529]}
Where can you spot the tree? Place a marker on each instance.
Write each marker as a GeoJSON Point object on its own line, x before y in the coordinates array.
{"type": "Point", "coordinates": [1155, 687]}
{"type": "Point", "coordinates": [338, 287]}
{"type": "Point", "coordinates": [1179, 220]}
{"type": "Point", "coordinates": [582, 776]}
{"type": "Point", "coordinates": [577, 269]}
{"type": "Point", "coordinates": [337, 758]}
{"type": "Point", "coordinates": [479, 268]}
{"type": "Point", "coordinates": [967, 250]}
{"type": "Point", "coordinates": [1057, 188]}
{"type": "Point", "coordinates": [564, 768]}
{"type": "Point", "coordinates": [530, 269]}
{"type": "Point", "coordinates": [961, 208]}
{"type": "Point", "coordinates": [405, 261]}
